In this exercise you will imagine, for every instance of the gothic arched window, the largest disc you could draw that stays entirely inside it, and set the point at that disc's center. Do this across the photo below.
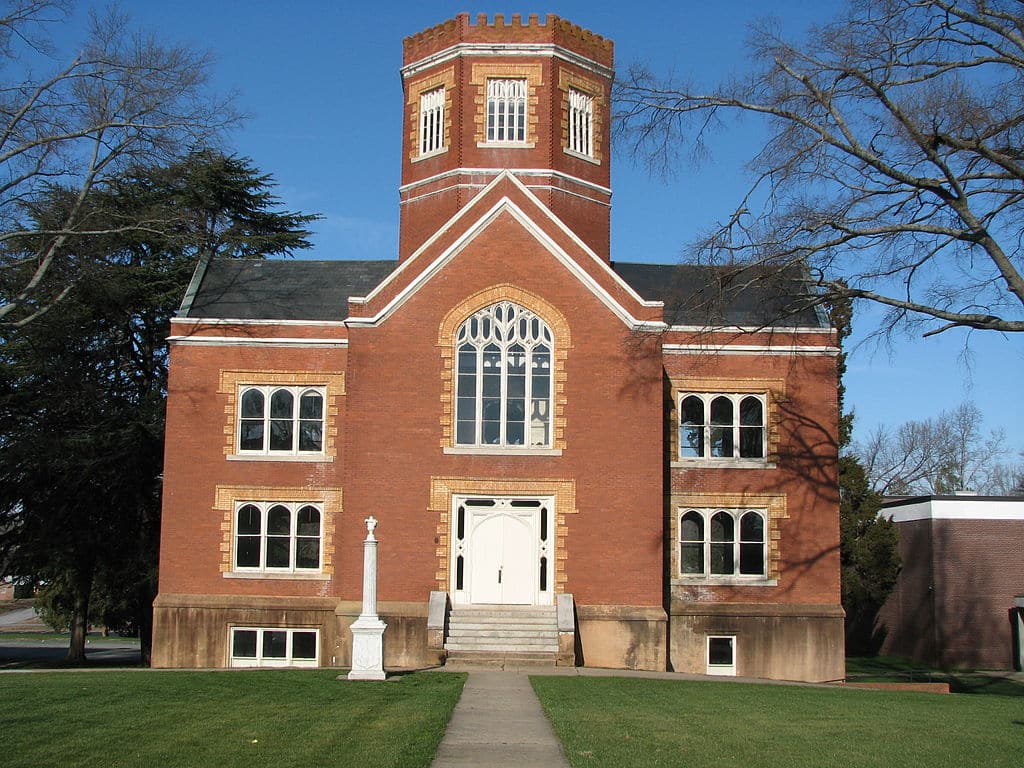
(504, 382)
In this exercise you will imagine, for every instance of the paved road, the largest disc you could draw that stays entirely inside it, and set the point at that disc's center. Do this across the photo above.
(15, 654)
(18, 616)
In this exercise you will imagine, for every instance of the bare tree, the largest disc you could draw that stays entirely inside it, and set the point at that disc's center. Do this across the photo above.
(74, 124)
(894, 171)
(948, 453)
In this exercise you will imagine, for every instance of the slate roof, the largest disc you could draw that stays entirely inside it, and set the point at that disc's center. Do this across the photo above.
(281, 289)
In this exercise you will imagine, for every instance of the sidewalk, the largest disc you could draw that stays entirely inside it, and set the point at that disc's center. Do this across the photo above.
(498, 723)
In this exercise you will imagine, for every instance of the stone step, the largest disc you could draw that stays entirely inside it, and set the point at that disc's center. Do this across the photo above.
(498, 624)
(499, 659)
(506, 646)
(503, 617)
(492, 631)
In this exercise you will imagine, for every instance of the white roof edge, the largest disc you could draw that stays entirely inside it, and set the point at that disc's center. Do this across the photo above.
(962, 508)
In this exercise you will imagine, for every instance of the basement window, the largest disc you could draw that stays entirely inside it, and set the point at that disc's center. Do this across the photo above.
(721, 655)
(274, 647)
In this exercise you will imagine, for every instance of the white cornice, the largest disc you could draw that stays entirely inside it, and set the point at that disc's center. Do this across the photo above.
(454, 187)
(505, 49)
(252, 341)
(748, 349)
(218, 321)
(498, 171)
(779, 329)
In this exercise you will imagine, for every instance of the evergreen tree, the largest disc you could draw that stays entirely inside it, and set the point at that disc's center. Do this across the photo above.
(869, 559)
(83, 387)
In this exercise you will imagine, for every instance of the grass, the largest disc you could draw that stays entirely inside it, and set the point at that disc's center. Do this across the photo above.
(893, 669)
(639, 723)
(93, 638)
(242, 719)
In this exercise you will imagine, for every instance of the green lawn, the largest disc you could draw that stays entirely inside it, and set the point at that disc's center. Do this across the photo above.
(634, 722)
(305, 719)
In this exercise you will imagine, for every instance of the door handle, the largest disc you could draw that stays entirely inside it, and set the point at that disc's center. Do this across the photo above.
(499, 575)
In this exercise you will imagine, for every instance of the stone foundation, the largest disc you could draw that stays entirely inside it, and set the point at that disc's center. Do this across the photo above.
(621, 636)
(191, 631)
(779, 642)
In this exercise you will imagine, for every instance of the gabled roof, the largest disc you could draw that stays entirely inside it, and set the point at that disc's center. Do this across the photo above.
(709, 296)
(284, 289)
(280, 289)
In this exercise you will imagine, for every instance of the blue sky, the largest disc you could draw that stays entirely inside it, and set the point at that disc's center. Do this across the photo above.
(321, 85)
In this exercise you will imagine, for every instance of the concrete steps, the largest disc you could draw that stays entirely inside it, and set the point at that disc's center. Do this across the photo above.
(501, 635)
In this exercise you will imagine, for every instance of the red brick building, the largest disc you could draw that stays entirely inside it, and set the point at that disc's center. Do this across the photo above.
(527, 419)
(958, 599)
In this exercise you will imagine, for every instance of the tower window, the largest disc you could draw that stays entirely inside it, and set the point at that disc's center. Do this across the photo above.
(506, 111)
(581, 123)
(432, 121)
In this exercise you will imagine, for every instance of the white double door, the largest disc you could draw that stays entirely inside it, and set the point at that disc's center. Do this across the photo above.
(502, 549)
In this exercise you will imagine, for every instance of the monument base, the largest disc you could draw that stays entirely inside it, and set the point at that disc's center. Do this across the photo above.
(367, 649)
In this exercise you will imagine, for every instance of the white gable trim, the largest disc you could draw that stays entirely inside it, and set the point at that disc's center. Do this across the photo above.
(502, 206)
(467, 171)
(215, 321)
(562, 255)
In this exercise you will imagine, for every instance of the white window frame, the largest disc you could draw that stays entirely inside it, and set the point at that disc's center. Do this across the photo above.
(264, 508)
(706, 576)
(506, 121)
(260, 660)
(268, 391)
(479, 341)
(735, 460)
(581, 123)
(725, 670)
(432, 122)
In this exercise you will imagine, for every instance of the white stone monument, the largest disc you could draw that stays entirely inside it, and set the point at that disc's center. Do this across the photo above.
(368, 629)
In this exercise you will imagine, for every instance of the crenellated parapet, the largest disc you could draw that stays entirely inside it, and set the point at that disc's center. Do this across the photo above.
(498, 30)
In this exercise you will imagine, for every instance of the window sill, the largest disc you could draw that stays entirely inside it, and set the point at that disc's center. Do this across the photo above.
(306, 457)
(722, 464)
(428, 155)
(581, 156)
(505, 145)
(484, 450)
(318, 576)
(724, 581)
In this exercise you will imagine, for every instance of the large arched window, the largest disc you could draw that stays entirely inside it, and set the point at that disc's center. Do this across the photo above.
(503, 387)
(710, 547)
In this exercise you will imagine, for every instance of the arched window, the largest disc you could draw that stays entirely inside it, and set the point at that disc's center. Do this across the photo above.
(722, 426)
(722, 543)
(503, 387)
(275, 537)
(281, 420)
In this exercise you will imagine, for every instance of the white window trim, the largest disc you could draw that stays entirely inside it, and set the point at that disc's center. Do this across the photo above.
(725, 462)
(735, 578)
(725, 670)
(292, 454)
(260, 660)
(263, 570)
(431, 129)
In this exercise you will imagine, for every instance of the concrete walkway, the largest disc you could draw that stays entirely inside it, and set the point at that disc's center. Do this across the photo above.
(498, 723)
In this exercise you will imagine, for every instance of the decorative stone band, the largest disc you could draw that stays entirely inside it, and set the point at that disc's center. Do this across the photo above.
(774, 504)
(227, 496)
(774, 391)
(442, 489)
(446, 341)
(231, 380)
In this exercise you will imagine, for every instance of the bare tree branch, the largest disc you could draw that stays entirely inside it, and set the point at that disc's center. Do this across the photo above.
(124, 100)
(894, 167)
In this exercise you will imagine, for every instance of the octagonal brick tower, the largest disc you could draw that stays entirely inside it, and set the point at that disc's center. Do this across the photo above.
(487, 96)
